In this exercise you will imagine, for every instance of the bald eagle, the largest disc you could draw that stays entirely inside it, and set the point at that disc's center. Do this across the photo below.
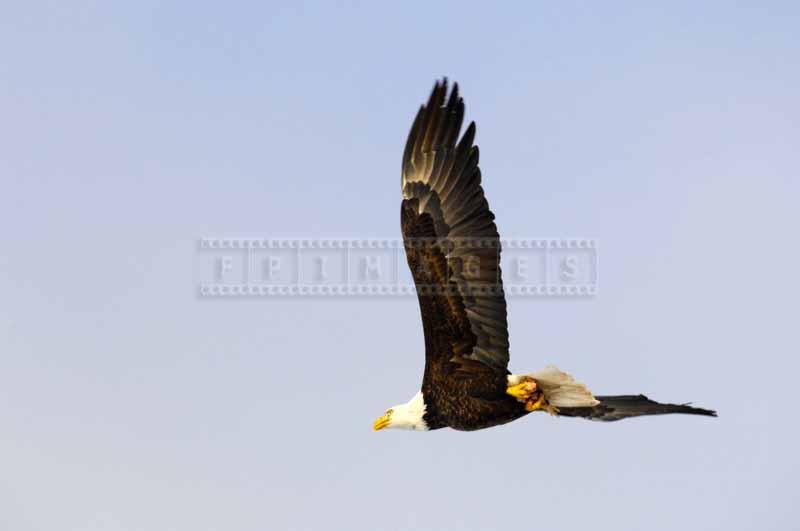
(453, 250)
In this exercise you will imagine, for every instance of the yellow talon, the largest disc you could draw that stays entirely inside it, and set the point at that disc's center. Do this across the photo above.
(533, 405)
(541, 403)
(522, 391)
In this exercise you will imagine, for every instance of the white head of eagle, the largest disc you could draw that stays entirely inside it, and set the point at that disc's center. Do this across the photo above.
(408, 416)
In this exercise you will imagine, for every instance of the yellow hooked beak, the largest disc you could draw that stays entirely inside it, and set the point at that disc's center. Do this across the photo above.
(382, 421)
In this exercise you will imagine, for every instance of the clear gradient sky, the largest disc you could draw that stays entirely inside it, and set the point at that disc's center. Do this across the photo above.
(130, 130)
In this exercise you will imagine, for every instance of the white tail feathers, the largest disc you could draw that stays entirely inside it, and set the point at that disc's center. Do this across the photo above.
(559, 388)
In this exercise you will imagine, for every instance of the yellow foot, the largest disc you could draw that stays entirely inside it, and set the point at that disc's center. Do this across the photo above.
(522, 391)
(535, 403)
(539, 402)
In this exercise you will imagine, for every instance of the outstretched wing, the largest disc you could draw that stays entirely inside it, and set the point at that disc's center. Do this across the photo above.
(451, 241)
(611, 408)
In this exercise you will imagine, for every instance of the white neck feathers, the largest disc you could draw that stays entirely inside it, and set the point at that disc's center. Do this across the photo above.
(411, 415)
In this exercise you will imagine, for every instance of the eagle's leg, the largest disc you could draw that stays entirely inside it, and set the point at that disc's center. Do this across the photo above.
(522, 388)
(540, 402)
(525, 389)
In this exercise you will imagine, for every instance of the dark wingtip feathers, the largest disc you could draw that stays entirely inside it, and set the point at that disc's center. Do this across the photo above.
(698, 410)
(439, 96)
(621, 407)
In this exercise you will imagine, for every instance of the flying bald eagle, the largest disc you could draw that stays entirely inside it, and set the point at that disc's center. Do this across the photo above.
(453, 250)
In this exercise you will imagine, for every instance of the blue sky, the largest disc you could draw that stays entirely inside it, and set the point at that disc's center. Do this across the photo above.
(666, 133)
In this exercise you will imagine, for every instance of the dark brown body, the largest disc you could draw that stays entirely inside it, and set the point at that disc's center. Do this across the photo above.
(459, 391)
(467, 404)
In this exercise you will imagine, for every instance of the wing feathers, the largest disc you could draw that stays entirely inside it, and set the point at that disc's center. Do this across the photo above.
(442, 182)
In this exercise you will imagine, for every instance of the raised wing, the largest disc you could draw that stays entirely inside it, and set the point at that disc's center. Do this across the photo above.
(451, 241)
